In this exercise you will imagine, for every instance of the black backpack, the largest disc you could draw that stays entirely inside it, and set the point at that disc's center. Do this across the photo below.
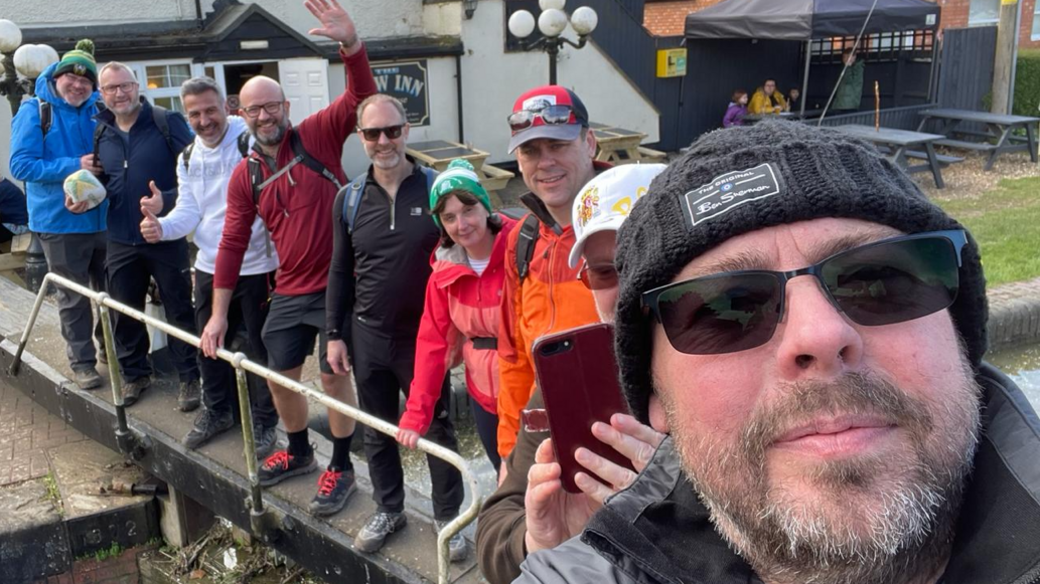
(160, 116)
(243, 149)
(352, 200)
(256, 174)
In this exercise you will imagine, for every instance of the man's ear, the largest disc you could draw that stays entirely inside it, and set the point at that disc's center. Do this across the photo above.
(658, 421)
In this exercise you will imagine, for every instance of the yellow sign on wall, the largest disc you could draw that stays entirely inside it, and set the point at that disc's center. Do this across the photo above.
(671, 62)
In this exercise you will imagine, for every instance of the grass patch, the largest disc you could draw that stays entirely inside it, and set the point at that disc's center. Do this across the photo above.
(1006, 223)
(53, 494)
(103, 554)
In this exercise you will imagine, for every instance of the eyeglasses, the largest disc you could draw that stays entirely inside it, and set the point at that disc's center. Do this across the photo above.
(77, 80)
(885, 282)
(549, 114)
(124, 87)
(598, 277)
(391, 132)
(271, 107)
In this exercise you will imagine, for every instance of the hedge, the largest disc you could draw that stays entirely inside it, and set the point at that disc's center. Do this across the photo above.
(1027, 83)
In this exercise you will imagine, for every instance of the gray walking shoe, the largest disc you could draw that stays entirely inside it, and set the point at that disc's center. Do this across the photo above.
(373, 535)
(87, 378)
(458, 547)
(265, 439)
(190, 395)
(207, 425)
(133, 389)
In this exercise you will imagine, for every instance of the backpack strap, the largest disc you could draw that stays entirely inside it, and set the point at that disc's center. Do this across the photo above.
(256, 179)
(160, 116)
(309, 161)
(243, 144)
(430, 175)
(186, 155)
(46, 116)
(99, 130)
(525, 244)
(352, 200)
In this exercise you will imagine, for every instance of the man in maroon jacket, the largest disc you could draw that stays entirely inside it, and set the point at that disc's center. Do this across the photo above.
(295, 202)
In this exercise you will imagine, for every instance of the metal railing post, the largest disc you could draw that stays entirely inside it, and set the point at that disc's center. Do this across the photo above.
(16, 363)
(260, 518)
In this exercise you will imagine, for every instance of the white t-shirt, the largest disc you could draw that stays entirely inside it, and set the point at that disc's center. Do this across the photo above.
(479, 265)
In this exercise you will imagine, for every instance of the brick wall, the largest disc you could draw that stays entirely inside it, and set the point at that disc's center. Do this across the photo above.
(668, 18)
(121, 569)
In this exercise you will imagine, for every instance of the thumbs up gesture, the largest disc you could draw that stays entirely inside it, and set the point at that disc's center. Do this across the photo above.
(151, 230)
(153, 203)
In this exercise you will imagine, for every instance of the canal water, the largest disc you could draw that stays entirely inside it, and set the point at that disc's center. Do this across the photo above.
(1022, 364)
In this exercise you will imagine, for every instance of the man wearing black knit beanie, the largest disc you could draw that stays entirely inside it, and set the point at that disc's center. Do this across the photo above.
(809, 330)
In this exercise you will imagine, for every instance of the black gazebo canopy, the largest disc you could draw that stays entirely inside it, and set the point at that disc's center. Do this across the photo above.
(803, 20)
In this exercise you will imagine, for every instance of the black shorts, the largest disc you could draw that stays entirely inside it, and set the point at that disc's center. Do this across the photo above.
(292, 324)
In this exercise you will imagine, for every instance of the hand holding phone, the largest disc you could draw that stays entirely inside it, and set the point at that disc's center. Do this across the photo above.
(577, 373)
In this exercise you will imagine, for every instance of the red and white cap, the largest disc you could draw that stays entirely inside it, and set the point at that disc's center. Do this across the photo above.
(605, 201)
(537, 99)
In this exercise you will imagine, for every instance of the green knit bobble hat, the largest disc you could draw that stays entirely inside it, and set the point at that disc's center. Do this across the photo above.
(79, 61)
(459, 176)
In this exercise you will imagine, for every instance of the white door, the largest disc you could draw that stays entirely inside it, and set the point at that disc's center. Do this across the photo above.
(306, 85)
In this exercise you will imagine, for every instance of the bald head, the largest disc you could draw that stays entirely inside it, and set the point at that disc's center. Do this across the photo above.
(261, 89)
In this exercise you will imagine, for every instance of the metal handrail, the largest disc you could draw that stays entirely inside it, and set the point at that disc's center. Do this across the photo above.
(241, 365)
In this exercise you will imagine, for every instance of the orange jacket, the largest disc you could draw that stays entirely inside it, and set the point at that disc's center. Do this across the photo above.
(550, 299)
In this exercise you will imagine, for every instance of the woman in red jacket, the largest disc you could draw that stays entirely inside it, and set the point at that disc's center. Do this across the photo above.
(463, 299)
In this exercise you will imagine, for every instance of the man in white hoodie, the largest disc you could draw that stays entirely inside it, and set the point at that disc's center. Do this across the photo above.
(203, 172)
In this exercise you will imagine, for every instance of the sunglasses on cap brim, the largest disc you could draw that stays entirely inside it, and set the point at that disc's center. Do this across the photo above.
(885, 282)
(553, 115)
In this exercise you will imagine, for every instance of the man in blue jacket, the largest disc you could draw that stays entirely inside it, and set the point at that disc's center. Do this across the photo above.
(51, 139)
(138, 149)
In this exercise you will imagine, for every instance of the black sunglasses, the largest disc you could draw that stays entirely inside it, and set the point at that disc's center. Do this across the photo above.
(391, 132)
(885, 282)
(551, 114)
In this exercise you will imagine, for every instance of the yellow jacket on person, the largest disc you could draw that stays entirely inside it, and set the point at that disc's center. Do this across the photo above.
(761, 104)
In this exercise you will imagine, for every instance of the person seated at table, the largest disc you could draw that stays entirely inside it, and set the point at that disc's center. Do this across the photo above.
(767, 100)
(737, 110)
(794, 97)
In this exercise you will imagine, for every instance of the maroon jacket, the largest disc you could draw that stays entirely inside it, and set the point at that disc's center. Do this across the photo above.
(297, 212)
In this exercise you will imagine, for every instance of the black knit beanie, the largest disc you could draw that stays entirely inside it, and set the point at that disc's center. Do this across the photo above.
(743, 179)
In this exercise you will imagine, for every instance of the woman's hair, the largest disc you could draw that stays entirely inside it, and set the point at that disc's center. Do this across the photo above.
(737, 95)
(494, 222)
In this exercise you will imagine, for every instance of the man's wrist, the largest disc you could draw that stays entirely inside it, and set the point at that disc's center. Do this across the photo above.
(350, 45)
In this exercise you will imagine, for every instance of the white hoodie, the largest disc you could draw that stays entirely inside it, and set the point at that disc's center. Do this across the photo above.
(202, 203)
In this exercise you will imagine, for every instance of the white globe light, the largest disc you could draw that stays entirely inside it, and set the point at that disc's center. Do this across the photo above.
(521, 24)
(552, 4)
(31, 60)
(584, 20)
(10, 36)
(552, 22)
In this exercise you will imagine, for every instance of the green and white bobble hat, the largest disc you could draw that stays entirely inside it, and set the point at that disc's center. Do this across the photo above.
(459, 176)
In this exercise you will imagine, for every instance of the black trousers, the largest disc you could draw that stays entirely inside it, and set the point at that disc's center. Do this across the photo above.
(248, 310)
(130, 268)
(79, 257)
(383, 368)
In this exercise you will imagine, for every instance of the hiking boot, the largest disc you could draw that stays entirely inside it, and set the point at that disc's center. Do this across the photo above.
(265, 440)
(87, 378)
(334, 488)
(282, 465)
(458, 547)
(207, 425)
(102, 355)
(189, 396)
(373, 535)
(133, 389)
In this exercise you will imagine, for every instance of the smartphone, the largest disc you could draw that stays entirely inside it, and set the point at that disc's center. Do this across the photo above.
(578, 375)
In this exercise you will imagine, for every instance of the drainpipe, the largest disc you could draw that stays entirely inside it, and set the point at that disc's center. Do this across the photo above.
(198, 14)
(458, 94)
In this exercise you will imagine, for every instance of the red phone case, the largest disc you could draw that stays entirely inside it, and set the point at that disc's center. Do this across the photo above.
(578, 375)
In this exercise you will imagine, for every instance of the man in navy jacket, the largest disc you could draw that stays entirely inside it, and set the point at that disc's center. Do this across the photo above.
(139, 158)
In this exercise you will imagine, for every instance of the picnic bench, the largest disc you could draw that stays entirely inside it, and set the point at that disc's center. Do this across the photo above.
(999, 127)
(620, 146)
(437, 154)
(901, 145)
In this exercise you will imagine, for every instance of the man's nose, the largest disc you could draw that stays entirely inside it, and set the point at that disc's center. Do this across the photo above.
(816, 340)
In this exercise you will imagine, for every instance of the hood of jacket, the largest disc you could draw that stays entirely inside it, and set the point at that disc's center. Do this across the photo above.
(658, 526)
(451, 263)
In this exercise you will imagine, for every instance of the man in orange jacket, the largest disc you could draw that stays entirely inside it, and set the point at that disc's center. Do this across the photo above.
(555, 149)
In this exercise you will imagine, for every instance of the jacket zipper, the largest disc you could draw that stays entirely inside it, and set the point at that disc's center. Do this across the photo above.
(551, 255)
(393, 214)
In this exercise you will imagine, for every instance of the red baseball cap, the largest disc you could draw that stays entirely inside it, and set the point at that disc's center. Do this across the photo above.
(538, 99)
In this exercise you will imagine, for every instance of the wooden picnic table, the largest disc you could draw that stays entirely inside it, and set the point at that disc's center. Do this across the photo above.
(998, 126)
(437, 154)
(899, 146)
(620, 146)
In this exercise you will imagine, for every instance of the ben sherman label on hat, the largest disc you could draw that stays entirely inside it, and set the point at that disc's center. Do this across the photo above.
(731, 190)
